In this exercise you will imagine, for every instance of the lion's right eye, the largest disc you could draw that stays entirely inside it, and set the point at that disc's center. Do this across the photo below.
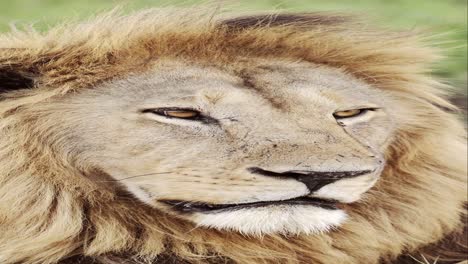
(348, 113)
(182, 113)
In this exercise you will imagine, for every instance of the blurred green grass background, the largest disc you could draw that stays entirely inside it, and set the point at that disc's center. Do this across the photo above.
(447, 19)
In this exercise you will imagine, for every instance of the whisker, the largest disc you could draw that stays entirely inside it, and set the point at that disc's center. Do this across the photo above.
(193, 229)
(140, 175)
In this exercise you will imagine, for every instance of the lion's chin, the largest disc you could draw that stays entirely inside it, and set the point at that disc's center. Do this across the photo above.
(275, 219)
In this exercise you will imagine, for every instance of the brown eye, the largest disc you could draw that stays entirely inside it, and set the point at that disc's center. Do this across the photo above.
(349, 113)
(181, 113)
(172, 112)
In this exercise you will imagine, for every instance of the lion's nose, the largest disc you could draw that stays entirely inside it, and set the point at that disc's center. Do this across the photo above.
(314, 180)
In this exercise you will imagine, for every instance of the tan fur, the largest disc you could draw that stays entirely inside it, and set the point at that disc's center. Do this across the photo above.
(50, 208)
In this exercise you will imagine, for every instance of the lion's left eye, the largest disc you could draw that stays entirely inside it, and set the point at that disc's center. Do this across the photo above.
(351, 113)
(182, 113)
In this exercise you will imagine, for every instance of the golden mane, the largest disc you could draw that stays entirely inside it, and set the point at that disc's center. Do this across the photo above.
(50, 210)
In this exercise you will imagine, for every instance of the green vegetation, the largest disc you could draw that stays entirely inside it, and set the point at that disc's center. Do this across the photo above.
(446, 19)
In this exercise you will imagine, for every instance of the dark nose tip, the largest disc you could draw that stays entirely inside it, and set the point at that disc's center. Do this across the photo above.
(314, 180)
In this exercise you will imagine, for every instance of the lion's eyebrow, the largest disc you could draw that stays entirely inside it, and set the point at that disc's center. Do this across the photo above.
(213, 98)
(209, 97)
(184, 97)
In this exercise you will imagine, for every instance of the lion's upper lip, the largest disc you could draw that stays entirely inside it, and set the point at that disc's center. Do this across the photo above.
(192, 207)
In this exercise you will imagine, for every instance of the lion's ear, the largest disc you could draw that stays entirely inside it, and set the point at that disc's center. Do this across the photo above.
(11, 79)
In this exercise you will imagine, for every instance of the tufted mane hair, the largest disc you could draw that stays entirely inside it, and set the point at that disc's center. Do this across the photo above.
(52, 210)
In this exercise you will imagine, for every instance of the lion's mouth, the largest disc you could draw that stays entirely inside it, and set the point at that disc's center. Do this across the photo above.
(192, 207)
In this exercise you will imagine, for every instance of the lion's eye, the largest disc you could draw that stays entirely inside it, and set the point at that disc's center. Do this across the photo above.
(181, 113)
(349, 113)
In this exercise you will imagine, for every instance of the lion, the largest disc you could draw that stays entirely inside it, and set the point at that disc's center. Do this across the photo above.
(184, 136)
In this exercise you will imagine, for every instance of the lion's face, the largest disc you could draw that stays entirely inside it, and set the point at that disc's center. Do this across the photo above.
(260, 149)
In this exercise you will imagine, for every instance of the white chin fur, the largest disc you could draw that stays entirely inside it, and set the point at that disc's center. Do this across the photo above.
(280, 219)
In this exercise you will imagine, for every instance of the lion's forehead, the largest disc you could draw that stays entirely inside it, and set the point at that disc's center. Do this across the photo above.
(283, 83)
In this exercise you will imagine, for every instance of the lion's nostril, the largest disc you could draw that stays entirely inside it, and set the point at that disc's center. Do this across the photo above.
(314, 180)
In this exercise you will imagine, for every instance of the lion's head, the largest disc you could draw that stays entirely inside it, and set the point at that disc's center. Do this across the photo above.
(259, 147)
(265, 139)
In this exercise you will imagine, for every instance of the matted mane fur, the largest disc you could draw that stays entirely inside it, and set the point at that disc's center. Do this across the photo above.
(50, 210)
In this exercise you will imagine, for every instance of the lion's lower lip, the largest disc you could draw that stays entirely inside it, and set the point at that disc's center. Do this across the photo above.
(192, 207)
